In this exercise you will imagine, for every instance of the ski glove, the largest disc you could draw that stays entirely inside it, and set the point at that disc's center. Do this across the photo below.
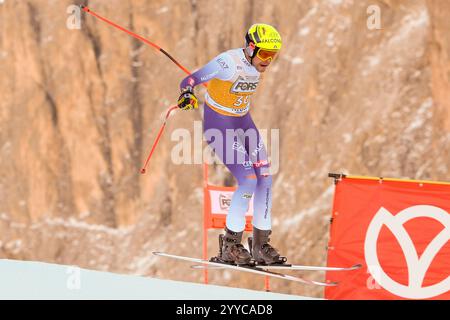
(187, 100)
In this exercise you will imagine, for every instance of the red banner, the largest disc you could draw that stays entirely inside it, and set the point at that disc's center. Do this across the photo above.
(217, 202)
(399, 231)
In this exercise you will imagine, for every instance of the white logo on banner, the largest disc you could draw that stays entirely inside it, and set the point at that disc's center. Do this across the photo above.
(417, 267)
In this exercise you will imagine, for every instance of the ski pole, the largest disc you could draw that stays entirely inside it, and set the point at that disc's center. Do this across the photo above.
(115, 25)
(157, 137)
(92, 13)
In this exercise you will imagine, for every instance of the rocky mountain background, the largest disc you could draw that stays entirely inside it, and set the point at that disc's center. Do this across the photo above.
(79, 109)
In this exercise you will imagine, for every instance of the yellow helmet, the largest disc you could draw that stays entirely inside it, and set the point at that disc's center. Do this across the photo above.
(264, 36)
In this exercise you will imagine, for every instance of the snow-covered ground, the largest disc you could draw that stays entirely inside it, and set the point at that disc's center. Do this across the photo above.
(38, 280)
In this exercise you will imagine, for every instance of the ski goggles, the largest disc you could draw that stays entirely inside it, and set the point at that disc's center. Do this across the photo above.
(265, 55)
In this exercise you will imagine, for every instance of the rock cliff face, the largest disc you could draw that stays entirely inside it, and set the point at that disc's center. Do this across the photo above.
(79, 110)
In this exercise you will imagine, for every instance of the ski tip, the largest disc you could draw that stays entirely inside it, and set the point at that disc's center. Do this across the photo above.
(357, 266)
(332, 284)
(157, 253)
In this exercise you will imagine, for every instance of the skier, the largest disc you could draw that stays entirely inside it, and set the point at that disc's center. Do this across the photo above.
(233, 77)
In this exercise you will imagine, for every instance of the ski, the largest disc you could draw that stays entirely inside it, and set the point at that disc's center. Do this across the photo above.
(309, 268)
(248, 269)
(290, 267)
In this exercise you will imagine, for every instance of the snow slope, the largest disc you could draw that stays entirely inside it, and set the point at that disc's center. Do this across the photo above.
(38, 280)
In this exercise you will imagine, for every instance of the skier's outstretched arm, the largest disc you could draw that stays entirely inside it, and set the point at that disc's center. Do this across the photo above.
(220, 67)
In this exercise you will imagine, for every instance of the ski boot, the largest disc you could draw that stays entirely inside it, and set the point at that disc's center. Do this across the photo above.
(231, 250)
(262, 252)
